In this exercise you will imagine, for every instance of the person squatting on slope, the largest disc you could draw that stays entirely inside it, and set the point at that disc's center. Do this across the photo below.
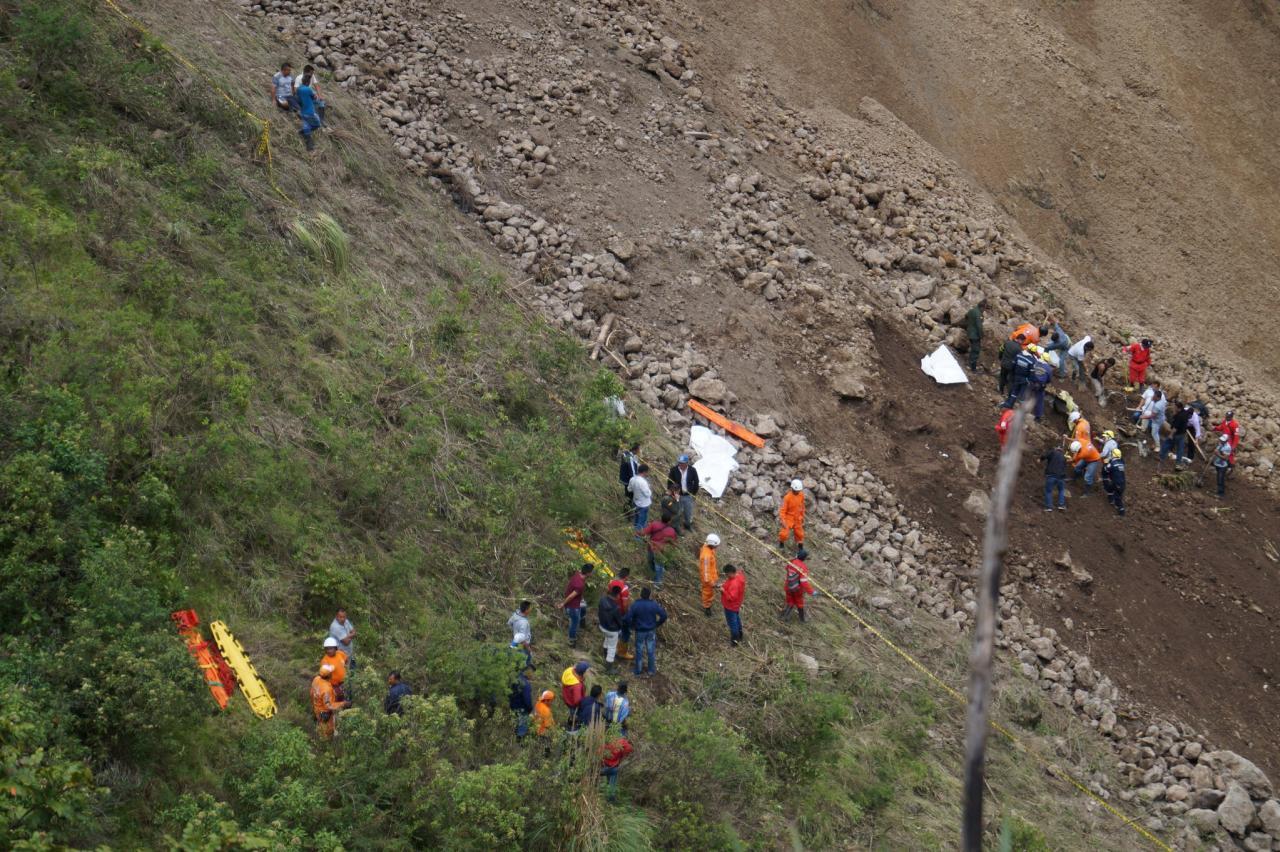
(1085, 459)
(731, 594)
(1023, 364)
(1041, 375)
(791, 515)
(1096, 378)
(683, 479)
(612, 755)
(708, 573)
(796, 585)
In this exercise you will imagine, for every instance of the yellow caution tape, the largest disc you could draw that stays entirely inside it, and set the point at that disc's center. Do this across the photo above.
(251, 685)
(264, 141)
(578, 542)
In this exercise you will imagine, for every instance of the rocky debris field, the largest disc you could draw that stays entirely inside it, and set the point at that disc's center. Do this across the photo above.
(789, 267)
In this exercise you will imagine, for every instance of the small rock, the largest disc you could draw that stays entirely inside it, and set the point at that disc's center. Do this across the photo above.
(848, 386)
(978, 502)
(1269, 814)
(971, 462)
(765, 426)
(709, 390)
(1203, 820)
(873, 257)
(633, 345)
(809, 664)
(1258, 842)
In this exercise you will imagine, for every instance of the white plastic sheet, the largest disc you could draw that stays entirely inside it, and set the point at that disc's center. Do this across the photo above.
(942, 367)
(715, 459)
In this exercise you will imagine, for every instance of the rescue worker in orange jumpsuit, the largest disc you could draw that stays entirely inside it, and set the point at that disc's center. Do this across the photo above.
(1080, 429)
(792, 515)
(1139, 360)
(1002, 428)
(1085, 459)
(542, 710)
(710, 575)
(325, 703)
(338, 659)
(796, 585)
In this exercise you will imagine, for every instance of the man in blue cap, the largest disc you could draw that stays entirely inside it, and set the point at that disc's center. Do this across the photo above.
(683, 480)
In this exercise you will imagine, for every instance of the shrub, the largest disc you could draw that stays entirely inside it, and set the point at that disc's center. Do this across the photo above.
(695, 750)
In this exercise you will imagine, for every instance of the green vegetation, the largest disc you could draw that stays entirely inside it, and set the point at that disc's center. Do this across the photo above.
(211, 398)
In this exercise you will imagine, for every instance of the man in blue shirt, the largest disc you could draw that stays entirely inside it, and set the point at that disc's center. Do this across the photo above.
(282, 89)
(644, 617)
(397, 690)
(306, 96)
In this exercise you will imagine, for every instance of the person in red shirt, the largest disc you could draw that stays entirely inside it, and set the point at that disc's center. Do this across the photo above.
(660, 534)
(572, 688)
(796, 585)
(574, 603)
(1139, 360)
(1231, 428)
(624, 600)
(731, 593)
(611, 757)
(1002, 428)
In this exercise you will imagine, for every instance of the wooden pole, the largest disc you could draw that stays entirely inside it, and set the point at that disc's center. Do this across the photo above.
(995, 544)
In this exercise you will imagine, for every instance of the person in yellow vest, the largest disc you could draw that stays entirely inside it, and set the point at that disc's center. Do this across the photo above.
(792, 515)
(325, 703)
(709, 573)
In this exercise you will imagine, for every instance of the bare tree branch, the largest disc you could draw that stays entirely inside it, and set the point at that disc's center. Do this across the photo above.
(995, 543)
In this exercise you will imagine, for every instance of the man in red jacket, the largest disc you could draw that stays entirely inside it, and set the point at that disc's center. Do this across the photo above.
(731, 593)
(797, 584)
(1139, 353)
(1002, 428)
(611, 758)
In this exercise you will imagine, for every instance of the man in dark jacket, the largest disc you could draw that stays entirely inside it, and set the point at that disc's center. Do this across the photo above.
(1022, 367)
(644, 617)
(609, 613)
(396, 690)
(628, 466)
(1055, 478)
(683, 479)
(1114, 481)
(1009, 352)
(1177, 438)
(973, 328)
(521, 702)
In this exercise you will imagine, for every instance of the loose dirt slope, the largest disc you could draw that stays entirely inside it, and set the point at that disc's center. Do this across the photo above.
(1134, 141)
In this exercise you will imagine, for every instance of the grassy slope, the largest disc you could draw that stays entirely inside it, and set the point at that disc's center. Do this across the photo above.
(200, 408)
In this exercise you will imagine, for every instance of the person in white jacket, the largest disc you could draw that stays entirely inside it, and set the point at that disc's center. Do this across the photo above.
(521, 632)
(1075, 358)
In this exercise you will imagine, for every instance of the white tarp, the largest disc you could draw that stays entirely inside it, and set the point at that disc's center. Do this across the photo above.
(715, 459)
(942, 366)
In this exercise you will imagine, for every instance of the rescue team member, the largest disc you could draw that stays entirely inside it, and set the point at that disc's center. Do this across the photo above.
(709, 574)
(1113, 481)
(1231, 428)
(1055, 478)
(1008, 353)
(325, 702)
(1222, 461)
(1139, 361)
(1085, 459)
(1002, 427)
(338, 660)
(542, 710)
(792, 515)
(731, 594)
(796, 585)
(624, 601)
(1080, 429)
(1027, 333)
(611, 759)
(973, 330)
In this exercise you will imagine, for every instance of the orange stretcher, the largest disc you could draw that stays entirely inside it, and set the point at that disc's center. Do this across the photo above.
(217, 674)
(735, 429)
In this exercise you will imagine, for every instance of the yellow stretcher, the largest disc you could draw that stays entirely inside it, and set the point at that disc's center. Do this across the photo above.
(251, 685)
(578, 542)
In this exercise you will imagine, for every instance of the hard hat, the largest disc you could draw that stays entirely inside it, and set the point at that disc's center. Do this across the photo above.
(330, 642)
(1108, 434)
(1073, 417)
(326, 669)
(1075, 446)
(1115, 454)
(547, 695)
(797, 485)
(684, 459)
(713, 540)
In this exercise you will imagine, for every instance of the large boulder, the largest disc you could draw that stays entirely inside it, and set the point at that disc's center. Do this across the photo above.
(708, 389)
(1233, 767)
(1236, 811)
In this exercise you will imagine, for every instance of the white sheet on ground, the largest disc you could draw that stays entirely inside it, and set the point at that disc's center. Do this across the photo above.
(942, 366)
(715, 459)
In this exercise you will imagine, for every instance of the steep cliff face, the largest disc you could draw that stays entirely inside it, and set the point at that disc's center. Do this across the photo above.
(1134, 141)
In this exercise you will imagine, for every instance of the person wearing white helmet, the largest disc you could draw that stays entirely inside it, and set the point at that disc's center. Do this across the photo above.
(1085, 459)
(708, 572)
(1080, 429)
(1222, 461)
(792, 515)
(334, 656)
